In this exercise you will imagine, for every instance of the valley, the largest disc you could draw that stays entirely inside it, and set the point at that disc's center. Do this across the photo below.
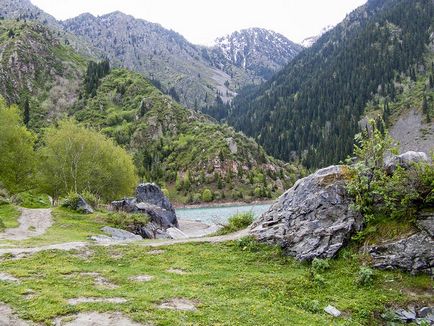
(147, 180)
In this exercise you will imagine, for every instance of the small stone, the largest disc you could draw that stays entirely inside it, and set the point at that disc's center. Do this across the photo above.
(76, 301)
(406, 315)
(424, 312)
(332, 311)
(141, 278)
(8, 278)
(156, 252)
(178, 304)
(177, 271)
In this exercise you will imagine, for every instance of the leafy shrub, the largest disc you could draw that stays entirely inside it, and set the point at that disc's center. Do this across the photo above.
(320, 265)
(207, 195)
(237, 222)
(126, 221)
(365, 276)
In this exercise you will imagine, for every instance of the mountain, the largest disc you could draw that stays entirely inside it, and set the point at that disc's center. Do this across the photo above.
(196, 76)
(24, 9)
(192, 74)
(160, 54)
(172, 145)
(309, 41)
(36, 66)
(312, 108)
(258, 50)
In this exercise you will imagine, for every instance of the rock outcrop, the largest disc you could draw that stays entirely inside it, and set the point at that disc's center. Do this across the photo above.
(405, 160)
(414, 253)
(116, 235)
(150, 200)
(83, 206)
(313, 218)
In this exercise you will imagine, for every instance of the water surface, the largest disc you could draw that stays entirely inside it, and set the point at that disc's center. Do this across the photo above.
(221, 214)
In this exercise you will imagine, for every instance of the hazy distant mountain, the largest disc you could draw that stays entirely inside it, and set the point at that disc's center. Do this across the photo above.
(258, 50)
(309, 41)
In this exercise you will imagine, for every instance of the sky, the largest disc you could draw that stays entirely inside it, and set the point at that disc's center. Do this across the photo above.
(202, 21)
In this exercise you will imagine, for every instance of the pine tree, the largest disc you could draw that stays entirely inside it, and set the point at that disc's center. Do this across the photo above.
(26, 112)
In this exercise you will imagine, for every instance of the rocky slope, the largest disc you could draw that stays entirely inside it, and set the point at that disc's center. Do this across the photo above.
(36, 66)
(258, 50)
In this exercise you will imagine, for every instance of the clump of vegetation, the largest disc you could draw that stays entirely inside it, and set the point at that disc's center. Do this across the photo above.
(237, 222)
(207, 195)
(320, 265)
(127, 221)
(365, 276)
(383, 197)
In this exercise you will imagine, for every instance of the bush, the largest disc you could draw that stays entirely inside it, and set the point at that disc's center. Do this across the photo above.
(320, 265)
(237, 222)
(207, 195)
(365, 276)
(126, 221)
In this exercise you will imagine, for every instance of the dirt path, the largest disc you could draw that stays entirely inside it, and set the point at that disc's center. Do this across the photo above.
(33, 222)
(145, 243)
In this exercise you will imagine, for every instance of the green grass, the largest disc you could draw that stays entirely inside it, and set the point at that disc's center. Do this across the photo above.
(8, 217)
(231, 285)
(68, 226)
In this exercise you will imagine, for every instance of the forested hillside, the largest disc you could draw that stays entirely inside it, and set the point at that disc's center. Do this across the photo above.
(178, 147)
(312, 108)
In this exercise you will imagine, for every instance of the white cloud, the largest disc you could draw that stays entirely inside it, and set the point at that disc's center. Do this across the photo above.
(201, 21)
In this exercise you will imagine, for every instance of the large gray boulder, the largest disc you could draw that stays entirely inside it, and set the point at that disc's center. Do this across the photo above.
(414, 253)
(151, 201)
(405, 160)
(313, 218)
(83, 206)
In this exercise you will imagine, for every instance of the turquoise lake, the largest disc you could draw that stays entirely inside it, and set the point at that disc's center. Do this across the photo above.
(211, 215)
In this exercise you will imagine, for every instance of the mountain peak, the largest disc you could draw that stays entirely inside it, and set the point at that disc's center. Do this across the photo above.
(257, 49)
